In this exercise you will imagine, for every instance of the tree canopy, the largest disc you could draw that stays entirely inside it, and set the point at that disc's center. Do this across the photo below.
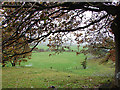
(36, 21)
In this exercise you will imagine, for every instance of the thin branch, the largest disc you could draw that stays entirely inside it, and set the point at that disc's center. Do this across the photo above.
(81, 27)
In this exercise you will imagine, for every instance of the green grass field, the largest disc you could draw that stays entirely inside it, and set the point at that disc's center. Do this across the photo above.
(62, 71)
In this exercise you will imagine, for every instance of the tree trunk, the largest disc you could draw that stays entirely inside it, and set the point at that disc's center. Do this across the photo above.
(117, 61)
(116, 30)
(3, 65)
(3, 62)
(13, 64)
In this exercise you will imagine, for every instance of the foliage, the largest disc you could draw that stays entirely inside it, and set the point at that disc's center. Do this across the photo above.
(19, 46)
(13, 46)
(36, 21)
(112, 55)
(106, 50)
(84, 63)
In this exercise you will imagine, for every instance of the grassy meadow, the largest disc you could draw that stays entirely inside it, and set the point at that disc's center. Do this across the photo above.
(62, 71)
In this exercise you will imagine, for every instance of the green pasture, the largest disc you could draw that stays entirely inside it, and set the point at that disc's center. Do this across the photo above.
(62, 71)
(43, 47)
(28, 77)
(66, 62)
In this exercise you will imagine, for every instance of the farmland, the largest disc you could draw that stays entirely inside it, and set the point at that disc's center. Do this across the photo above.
(62, 71)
